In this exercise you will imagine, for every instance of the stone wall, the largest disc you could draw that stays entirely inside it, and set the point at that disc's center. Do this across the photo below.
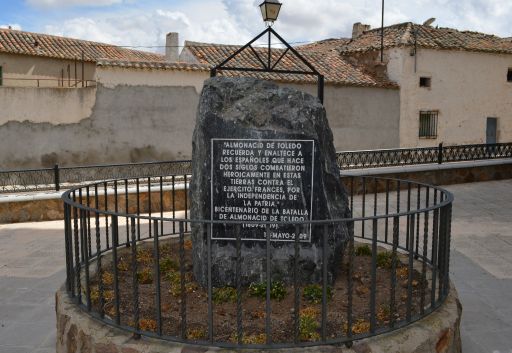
(430, 175)
(53, 209)
(77, 332)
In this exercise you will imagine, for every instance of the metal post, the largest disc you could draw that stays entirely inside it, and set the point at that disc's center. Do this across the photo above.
(56, 177)
(382, 35)
(83, 69)
(440, 154)
(321, 88)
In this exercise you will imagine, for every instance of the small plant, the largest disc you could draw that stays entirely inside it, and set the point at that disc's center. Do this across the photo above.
(145, 256)
(167, 264)
(383, 314)
(385, 259)
(174, 278)
(187, 245)
(147, 325)
(122, 265)
(308, 324)
(107, 278)
(360, 326)
(175, 289)
(145, 276)
(224, 295)
(108, 295)
(277, 290)
(313, 293)
(402, 272)
(258, 314)
(95, 294)
(363, 250)
(196, 334)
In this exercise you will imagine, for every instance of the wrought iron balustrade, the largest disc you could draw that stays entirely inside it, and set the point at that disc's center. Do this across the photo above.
(126, 265)
(422, 155)
(56, 178)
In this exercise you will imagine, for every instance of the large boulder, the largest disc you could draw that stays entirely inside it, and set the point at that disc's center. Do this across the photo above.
(262, 153)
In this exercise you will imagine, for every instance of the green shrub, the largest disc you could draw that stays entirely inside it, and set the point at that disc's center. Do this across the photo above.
(385, 259)
(363, 250)
(224, 295)
(277, 290)
(145, 276)
(167, 264)
(313, 293)
(308, 325)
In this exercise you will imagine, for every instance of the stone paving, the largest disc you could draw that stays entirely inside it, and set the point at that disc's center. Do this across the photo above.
(32, 258)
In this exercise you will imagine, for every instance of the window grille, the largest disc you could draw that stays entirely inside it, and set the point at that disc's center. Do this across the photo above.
(428, 124)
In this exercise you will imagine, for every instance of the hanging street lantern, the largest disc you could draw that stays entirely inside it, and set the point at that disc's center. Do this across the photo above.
(270, 10)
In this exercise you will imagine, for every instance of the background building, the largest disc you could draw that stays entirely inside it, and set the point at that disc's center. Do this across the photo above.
(119, 105)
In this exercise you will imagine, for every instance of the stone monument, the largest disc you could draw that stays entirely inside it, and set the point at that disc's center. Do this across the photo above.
(262, 153)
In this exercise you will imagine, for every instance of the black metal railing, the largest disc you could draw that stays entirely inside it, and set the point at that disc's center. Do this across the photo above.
(128, 260)
(58, 178)
(422, 155)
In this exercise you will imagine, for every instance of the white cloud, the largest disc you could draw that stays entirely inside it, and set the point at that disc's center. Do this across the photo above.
(306, 20)
(12, 26)
(237, 21)
(143, 30)
(57, 3)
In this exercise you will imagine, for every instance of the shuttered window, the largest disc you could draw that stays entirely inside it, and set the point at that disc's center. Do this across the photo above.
(428, 124)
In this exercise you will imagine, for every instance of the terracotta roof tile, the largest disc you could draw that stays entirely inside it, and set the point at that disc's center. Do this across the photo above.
(37, 44)
(154, 65)
(330, 64)
(325, 45)
(405, 34)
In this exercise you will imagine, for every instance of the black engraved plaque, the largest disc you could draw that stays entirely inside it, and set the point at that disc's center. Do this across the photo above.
(265, 180)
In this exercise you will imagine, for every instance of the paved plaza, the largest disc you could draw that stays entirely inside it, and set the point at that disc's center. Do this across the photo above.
(32, 268)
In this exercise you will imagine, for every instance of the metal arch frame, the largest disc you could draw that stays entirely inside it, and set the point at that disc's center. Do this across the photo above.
(266, 63)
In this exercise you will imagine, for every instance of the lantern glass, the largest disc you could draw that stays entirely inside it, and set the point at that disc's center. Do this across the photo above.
(270, 10)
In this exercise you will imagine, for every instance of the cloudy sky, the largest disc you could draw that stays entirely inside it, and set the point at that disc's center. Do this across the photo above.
(144, 23)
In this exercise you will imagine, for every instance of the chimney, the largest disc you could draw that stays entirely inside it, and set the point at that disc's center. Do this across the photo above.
(172, 52)
(359, 29)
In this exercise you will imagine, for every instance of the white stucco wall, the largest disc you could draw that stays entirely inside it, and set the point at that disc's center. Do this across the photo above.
(49, 70)
(466, 89)
(46, 105)
(112, 76)
(361, 118)
(143, 115)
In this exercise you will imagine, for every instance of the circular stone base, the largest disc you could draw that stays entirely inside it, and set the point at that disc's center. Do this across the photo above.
(78, 332)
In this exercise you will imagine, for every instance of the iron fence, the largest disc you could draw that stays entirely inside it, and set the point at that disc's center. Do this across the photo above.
(423, 155)
(57, 177)
(128, 260)
(46, 82)
(66, 177)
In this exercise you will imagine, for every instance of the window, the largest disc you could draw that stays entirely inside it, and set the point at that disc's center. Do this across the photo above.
(425, 81)
(509, 75)
(428, 124)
